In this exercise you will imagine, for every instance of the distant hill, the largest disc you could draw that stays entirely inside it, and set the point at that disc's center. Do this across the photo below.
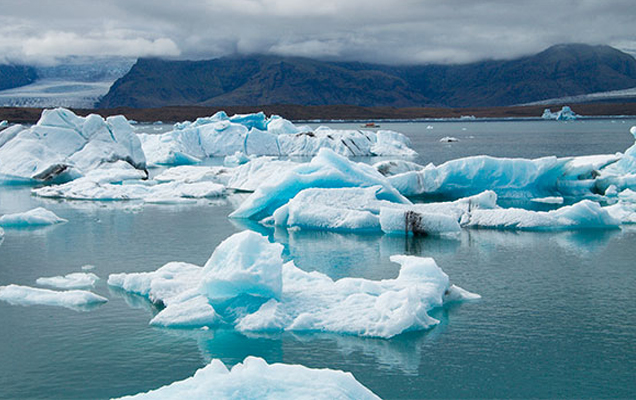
(562, 70)
(12, 76)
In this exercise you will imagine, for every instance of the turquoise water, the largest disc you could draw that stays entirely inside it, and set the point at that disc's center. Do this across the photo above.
(557, 317)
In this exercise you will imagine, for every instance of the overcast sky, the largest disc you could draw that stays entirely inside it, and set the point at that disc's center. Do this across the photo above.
(393, 32)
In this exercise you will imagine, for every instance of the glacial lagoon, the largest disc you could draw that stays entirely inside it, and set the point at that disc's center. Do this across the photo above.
(556, 317)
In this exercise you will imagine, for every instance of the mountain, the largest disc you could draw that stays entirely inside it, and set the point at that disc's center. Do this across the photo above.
(562, 70)
(12, 76)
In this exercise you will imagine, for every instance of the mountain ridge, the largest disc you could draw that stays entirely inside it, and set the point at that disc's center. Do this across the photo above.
(561, 70)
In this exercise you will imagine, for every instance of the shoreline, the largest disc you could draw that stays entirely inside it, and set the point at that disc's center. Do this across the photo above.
(337, 113)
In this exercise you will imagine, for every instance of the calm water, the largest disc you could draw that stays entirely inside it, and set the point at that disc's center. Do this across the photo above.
(557, 318)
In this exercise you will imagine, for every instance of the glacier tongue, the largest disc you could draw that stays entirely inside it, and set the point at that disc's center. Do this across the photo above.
(246, 285)
(255, 379)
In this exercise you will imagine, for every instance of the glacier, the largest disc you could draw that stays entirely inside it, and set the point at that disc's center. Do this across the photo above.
(255, 379)
(255, 134)
(246, 284)
(35, 217)
(75, 280)
(62, 146)
(79, 300)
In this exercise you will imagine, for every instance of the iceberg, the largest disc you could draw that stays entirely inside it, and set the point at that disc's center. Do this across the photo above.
(254, 134)
(449, 139)
(36, 217)
(78, 300)
(63, 146)
(120, 183)
(325, 170)
(358, 209)
(585, 214)
(247, 285)
(565, 114)
(255, 379)
(509, 177)
(76, 280)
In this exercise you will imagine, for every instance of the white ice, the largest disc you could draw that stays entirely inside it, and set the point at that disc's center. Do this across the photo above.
(326, 170)
(585, 214)
(76, 280)
(73, 299)
(35, 217)
(254, 134)
(246, 284)
(565, 114)
(124, 183)
(255, 379)
(64, 146)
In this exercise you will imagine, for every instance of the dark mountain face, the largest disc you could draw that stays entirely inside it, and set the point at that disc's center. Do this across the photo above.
(562, 70)
(12, 76)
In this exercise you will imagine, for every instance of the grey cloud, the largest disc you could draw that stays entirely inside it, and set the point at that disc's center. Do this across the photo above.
(393, 32)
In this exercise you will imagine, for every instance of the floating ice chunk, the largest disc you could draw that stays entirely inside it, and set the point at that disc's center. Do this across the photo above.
(326, 170)
(255, 379)
(313, 302)
(162, 285)
(64, 146)
(236, 159)
(36, 217)
(565, 114)
(88, 267)
(245, 284)
(76, 280)
(73, 299)
(358, 209)
(582, 215)
(549, 200)
(4, 124)
(244, 263)
(192, 313)
(255, 134)
(449, 139)
(97, 186)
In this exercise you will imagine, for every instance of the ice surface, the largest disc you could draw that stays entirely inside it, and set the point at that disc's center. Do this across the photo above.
(112, 184)
(326, 170)
(36, 217)
(244, 263)
(358, 209)
(64, 146)
(585, 214)
(509, 177)
(246, 285)
(255, 379)
(76, 280)
(73, 299)
(254, 134)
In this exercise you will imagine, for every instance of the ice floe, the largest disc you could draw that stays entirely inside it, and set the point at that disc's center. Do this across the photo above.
(585, 214)
(247, 285)
(256, 379)
(116, 184)
(64, 146)
(325, 170)
(76, 280)
(36, 217)
(255, 134)
(79, 300)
